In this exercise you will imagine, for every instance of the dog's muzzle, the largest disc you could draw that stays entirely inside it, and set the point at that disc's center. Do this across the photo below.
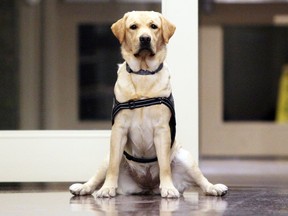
(145, 46)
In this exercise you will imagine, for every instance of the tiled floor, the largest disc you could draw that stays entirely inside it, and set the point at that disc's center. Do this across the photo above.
(256, 188)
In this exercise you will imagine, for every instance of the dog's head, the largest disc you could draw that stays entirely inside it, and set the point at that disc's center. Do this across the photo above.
(143, 33)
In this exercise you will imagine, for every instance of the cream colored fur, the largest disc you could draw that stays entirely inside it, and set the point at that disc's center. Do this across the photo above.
(145, 132)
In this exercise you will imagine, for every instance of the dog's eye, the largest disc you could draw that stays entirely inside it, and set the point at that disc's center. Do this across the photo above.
(153, 26)
(133, 27)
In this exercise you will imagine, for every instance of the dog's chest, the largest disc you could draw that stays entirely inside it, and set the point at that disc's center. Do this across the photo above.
(141, 132)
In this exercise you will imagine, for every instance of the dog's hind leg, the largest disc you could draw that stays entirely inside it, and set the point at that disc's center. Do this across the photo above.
(193, 174)
(92, 184)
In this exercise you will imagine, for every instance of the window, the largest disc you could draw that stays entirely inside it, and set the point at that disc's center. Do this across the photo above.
(99, 55)
(253, 61)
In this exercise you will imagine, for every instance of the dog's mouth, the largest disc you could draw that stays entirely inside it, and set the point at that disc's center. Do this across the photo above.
(144, 51)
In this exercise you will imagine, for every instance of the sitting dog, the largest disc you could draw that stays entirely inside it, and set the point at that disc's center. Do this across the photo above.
(144, 155)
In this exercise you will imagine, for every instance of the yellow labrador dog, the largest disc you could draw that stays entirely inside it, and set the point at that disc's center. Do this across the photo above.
(144, 120)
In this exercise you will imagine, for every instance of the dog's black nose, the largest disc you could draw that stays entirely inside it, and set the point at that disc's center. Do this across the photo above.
(145, 40)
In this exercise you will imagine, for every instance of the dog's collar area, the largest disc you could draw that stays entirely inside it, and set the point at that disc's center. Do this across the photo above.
(144, 72)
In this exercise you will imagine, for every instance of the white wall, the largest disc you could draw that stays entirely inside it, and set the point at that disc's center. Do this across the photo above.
(51, 156)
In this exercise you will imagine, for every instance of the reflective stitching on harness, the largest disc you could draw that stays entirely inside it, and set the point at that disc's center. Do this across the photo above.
(134, 104)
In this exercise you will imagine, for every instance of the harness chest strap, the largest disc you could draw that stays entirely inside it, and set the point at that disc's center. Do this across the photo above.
(134, 104)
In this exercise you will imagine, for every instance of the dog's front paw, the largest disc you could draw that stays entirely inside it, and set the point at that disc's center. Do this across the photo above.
(170, 192)
(217, 190)
(106, 192)
(80, 189)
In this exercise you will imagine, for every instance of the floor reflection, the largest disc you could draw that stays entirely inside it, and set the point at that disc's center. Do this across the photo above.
(255, 188)
(150, 205)
(246, 201)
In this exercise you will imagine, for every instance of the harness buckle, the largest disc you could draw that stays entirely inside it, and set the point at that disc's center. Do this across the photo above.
(132, 104)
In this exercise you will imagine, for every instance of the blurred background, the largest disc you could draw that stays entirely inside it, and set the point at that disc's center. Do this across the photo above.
(58, 60)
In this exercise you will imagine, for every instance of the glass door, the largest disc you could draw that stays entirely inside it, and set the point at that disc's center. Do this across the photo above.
(65, 88)
(241, 63)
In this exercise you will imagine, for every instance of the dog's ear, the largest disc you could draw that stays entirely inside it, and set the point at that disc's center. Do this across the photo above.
(168, 29)
(118, 29)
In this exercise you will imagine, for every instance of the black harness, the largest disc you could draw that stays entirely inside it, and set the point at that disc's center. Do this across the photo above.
(135, 104)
